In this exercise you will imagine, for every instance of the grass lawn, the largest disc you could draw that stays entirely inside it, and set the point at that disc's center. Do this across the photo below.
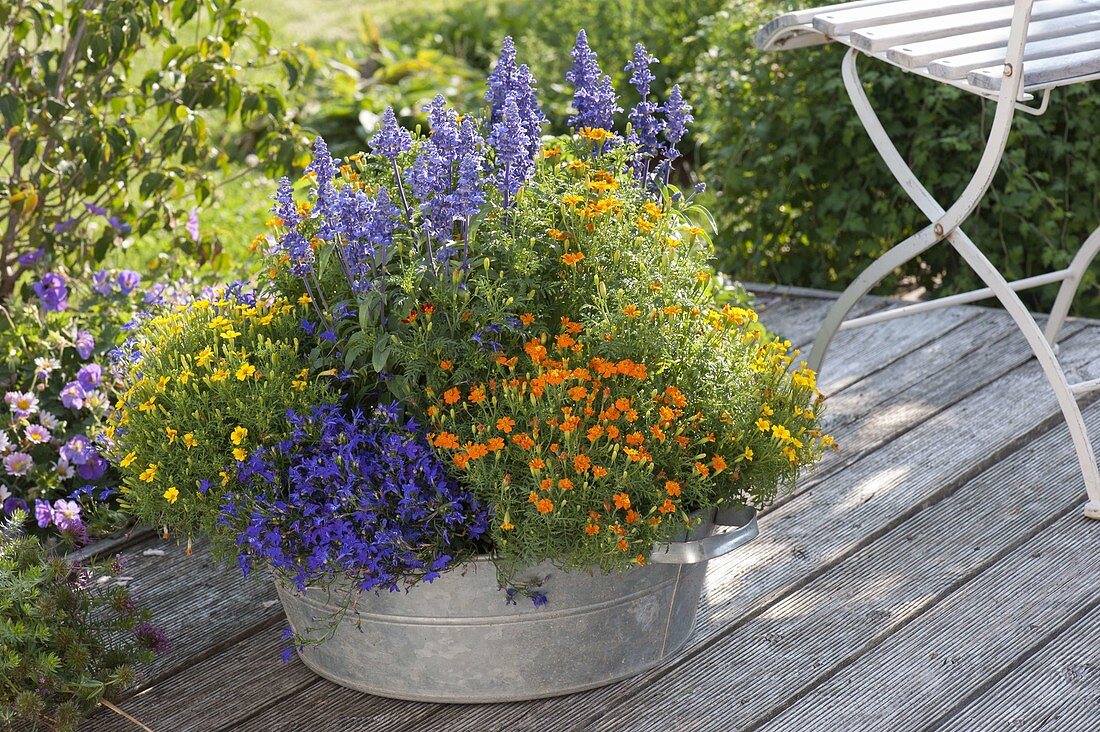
(320, 22)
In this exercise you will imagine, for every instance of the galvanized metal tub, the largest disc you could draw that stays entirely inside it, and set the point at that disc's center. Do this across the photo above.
(455, 640)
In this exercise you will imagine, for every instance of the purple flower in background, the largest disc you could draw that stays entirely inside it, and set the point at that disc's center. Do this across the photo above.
(43, 513)
(593, 95)
(118, 225)
(152, 638)
(103, 283)
(94, 209)
(677, 118)
(64, 225)
(85, 344)
(78, 450)
(72, 395)
(391, 139)
(513, 165)
(18, 463)
(93, 468)
(29, 258)
(128, 280)
(66, 515)
(90, 376)
(13, 504)
(192, 227)
(155, 294)
(52, 291)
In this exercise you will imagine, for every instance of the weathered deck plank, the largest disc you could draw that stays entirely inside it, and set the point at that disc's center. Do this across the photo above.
(1056, 689)
(1037, 592)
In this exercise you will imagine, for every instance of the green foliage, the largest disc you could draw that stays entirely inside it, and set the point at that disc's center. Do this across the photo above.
(802, 197)
(102, 101)
(214, 382)
(66, 640)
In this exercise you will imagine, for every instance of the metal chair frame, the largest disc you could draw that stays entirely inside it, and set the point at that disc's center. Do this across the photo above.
(944, 225)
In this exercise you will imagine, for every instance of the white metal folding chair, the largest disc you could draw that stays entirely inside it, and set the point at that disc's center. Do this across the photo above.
(1011, 52)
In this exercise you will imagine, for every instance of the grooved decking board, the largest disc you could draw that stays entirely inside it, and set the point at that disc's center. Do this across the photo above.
(1002, 617)
(1056, 689)
(820, 528)
(798, 319)
(751, 672)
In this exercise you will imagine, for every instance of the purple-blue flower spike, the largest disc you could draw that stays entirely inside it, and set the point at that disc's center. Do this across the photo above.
(513, 165)
(593, 95)
(285, 207)
(645, 126)
(502, 80)
(509, 81)
(324, 168)
(677, 118)
(530, 113)
(390, 141)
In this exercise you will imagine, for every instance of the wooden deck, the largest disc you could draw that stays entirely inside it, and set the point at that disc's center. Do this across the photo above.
(937, 573)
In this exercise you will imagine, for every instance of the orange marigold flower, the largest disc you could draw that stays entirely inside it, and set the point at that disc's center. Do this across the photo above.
(527, 318)
(582, 463)
(592, 529)
(702, 469)
(571, 326)
(594, 433)
(631, 415)
(623, 546)
(658, 433)
(477, 394)
(532, 497)
(598, 471)
(446, 365)
(680, 440)
(545, 484)
(622, 404)
(557, 234)
(667, 507)
(447, 441)
(495, 444)
(570, 424)
(476, 450)
(564, 340)
(523, 440)
(545, 505)
(537, 464)
(452, 395)
(621, 500)
(462, 460)
(505, 424)
(632, 516)
(565, 484)
(612, 432)
(631, 311)
(672, 487)
(635, 438)
(506, 362)
(718, 462)
(535, 350)
(572, 258)
(578, 393)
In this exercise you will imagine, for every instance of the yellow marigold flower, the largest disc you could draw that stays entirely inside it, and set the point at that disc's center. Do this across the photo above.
(768, 411)
(148, 405)
(550, 152)
(150, 473)
(631, 311)
(790, 454)
(204, 356)
(171, 434)
(572, 199)
(172, 494)
(298, 384)
(126, 461)
(189, 440)
(240, 454)
(644, 225)
(781, 433)
(163, 382)
(219, 375)
(695, 231)
(220, 322)
(763, 425)
(748, 454)
(238, 434)
(246, 370)
(595, 134)
(185, 376)
(229, 334)
(557, 234)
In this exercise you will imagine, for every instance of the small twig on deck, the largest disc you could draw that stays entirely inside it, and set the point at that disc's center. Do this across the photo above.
(123, 714)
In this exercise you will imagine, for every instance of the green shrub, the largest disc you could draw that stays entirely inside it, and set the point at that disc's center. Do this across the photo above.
(114, 114)
(802, 197)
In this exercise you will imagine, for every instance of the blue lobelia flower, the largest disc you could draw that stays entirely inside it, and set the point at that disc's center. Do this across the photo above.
(593, 95)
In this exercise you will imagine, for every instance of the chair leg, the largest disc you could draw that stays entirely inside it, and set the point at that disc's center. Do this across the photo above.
(1066, 292)
(1052, 369)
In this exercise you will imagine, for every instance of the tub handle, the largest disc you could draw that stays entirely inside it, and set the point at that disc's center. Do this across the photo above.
(737, 527)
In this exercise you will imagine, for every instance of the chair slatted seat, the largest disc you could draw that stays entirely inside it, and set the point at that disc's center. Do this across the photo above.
(1009, 51)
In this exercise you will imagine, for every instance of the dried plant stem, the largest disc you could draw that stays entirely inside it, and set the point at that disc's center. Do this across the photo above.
(123, 714)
